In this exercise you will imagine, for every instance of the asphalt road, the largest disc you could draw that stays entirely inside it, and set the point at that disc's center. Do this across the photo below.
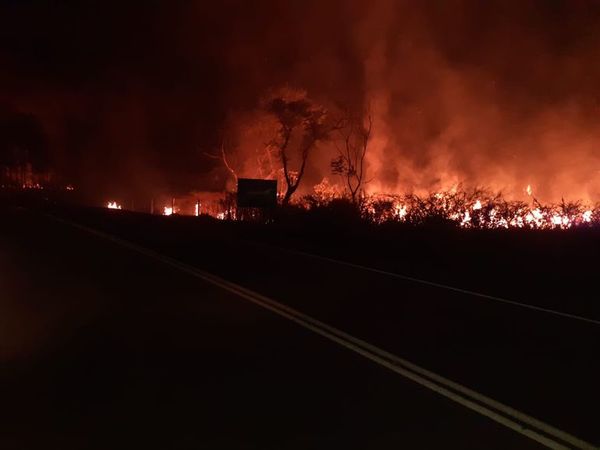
(101, 347)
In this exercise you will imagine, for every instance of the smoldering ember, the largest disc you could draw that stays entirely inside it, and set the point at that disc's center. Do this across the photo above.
(218, 218)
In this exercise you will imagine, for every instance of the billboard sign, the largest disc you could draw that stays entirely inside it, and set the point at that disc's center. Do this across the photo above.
(256, 193)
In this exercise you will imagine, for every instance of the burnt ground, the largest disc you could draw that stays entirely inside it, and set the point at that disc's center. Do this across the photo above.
(538, 362)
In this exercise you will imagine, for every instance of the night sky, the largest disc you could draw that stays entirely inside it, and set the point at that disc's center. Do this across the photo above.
(131, 95)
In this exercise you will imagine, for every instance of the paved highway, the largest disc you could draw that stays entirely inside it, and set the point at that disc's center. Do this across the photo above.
(102, 345)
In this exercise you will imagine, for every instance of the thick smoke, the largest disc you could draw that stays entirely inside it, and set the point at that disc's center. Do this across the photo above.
(499, 94)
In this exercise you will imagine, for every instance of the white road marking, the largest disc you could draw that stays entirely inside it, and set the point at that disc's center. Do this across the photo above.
(431, 283)
(522, 423)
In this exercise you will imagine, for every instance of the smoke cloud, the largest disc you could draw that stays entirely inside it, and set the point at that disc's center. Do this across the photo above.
(499, 94)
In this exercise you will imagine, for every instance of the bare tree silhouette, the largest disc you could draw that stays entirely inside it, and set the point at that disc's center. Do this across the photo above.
(301, 126)
(355, 132)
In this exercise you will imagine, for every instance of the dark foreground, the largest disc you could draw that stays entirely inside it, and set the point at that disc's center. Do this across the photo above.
(102, 347)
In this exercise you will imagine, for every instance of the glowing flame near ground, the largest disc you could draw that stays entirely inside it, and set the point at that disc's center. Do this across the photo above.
(466, 208)
(400, 211)
(492, 212)
(529, 190)
(113, 205)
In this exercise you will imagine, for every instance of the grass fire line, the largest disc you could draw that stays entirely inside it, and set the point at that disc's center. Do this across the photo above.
(476, 209)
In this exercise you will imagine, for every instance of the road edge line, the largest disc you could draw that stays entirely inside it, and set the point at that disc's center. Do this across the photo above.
(431, 283)
(410, 370)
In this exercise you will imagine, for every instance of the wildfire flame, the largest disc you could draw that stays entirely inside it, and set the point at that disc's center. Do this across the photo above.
(491, 212)
(113, 205)
(476, 208)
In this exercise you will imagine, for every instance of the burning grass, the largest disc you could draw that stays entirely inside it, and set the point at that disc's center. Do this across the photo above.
(113, 205)
(476, 208)
(464, 208)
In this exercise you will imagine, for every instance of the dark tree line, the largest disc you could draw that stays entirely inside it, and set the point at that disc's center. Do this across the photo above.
(308, 124)
(22, 146)
(301, 125)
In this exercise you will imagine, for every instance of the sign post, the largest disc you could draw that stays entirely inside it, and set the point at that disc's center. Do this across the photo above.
(255, 193)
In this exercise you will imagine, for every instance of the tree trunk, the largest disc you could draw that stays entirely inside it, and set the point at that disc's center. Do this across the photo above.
(288, 195)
